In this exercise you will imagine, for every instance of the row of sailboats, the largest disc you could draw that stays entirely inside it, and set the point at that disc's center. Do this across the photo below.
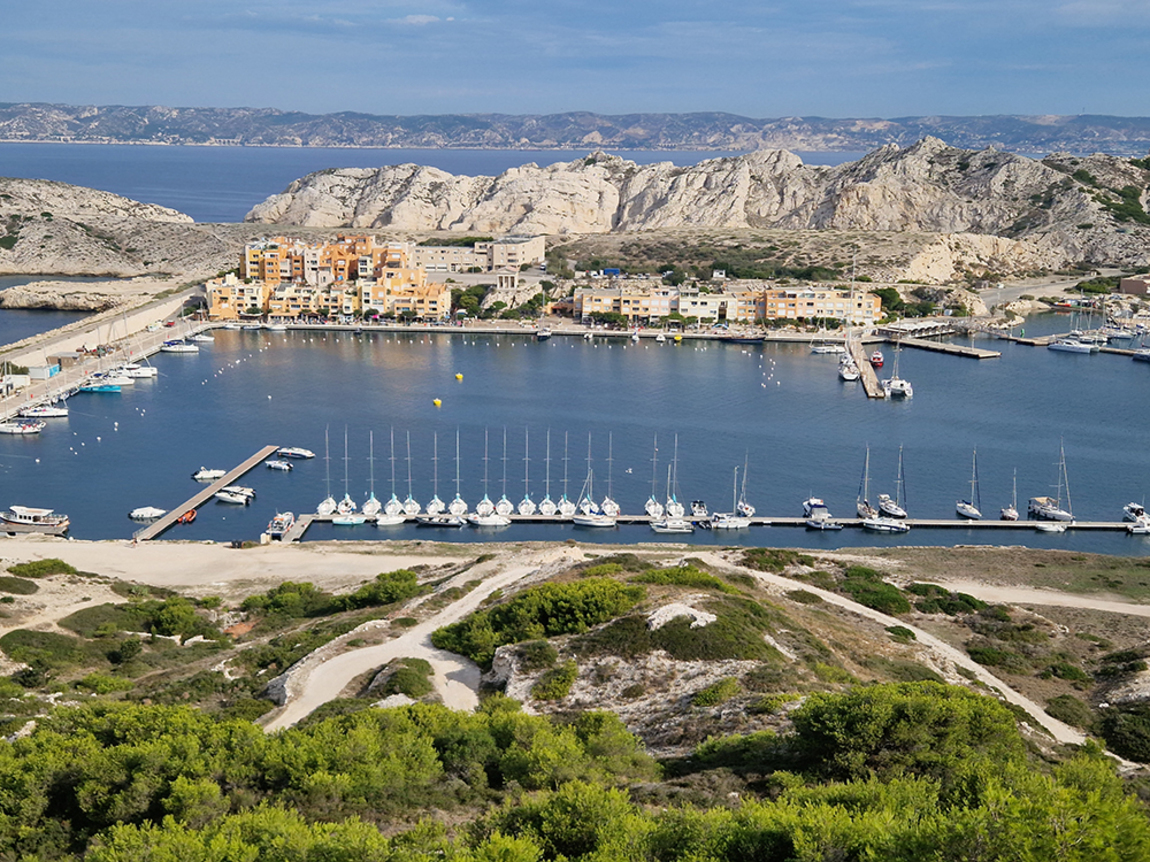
(668, 517)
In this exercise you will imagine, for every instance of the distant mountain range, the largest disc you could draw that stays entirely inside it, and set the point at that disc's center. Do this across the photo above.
(573, 130)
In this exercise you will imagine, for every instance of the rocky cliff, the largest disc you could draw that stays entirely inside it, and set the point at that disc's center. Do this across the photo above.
(1065, 208)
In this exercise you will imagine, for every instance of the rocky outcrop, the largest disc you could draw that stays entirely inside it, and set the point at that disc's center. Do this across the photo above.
(1066, 208)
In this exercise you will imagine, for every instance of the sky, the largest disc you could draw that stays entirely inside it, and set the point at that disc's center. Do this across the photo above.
(830, 58)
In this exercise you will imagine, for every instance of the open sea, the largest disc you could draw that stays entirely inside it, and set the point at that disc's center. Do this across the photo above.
(778, 407)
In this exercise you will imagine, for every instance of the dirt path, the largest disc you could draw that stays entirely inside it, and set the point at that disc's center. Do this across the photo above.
(456, 678)
(1063, 733)
(1033, 596)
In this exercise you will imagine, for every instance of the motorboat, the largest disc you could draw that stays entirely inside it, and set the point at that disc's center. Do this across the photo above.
(136, 371)
(1072, 344)
(1141, 527)
(492, 519)
(349, 519)
(22, 426)
(876, 359)
(699, 509)
(823, 524)
(814, 507)
(294, 452)
(147, 513)
(972, 508)
(1051, 526)
(242, 490)
(393, 519)
(890, 507)
(277, 464)
(542, 334)
(1142, 354)
(59, 410)
(201, 338)
(99, 386)
(252, 327)
(28, 519)
(826, 347)
(671, 524)
(452, 521)
(885, 525)
(848, 371)
(234, 327)
(206, 475)
(660, 338)
(187, 517)
(275, 327)
(179, 346)
(281, 524)
(1133, 512)
(635, 337)
(232, 497)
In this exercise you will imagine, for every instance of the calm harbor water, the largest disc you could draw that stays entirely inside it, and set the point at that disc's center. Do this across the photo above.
(220, 184)
(17, 324)
(803, 431)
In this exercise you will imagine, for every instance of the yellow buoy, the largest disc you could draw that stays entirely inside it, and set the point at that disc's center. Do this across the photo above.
(437, 402)
(458, 376)
(678, 338)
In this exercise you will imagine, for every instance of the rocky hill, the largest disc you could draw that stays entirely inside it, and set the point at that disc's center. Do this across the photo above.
(571, 130)
(1063, 208)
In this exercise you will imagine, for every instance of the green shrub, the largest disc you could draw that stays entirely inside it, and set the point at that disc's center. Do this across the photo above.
(411, 676)
(717, 692)
(901, 634)
(633, 691)
(102, 683)
(774, 559)
(684, 576)
(49, 650)
(1065, 670)
(18, 586)
(246, 709)
(936, 600)
(901, 670)
(614, 564)
(41, 568)
(804, 597)
(832, 673)
(386, 589)
(988, 655)
(769, 704)
(1069, 709)
(556, 683)
(602, 570)
(536, 655)
(293, 600)
(1126, 730)
(875, 594)
(543, 611)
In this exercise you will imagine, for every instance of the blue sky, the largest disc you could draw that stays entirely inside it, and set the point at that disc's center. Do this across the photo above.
(833, 58)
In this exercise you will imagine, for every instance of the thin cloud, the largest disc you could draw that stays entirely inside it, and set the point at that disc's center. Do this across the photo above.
(417, 20)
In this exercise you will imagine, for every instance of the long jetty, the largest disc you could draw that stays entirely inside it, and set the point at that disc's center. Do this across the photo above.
(867, 373)
(159, 526)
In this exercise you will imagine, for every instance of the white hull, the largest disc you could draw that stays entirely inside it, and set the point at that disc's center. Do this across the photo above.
(147, 513)
(593, 520)
(885, 525)
(967, 510)
(284, 466)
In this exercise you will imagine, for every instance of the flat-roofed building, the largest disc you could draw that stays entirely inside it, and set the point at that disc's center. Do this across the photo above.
(229, 297)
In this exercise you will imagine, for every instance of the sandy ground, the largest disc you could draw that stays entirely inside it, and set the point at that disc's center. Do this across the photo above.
(1032, 596)
(206, 568)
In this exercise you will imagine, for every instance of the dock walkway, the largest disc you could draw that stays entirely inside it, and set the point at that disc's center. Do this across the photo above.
(867, 373)
(156, 527)
(952, 349)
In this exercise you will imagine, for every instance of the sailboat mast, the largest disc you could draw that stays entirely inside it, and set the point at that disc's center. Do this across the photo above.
(327, 457)
(547, 489)
(409, 463)
(655, 469)
(457, 462)
(900, 489)
(504, 461)
(485, 462)
(610, 437)
(565, 459)
(526, 462)
(393, 461)
(735, 492)
(345, 460)
(435, 464)
(371, 460)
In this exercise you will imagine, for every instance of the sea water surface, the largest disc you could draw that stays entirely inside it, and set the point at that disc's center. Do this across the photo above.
(778, 408)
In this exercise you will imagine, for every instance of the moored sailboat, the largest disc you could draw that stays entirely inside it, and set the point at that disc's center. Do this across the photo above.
(972, 508)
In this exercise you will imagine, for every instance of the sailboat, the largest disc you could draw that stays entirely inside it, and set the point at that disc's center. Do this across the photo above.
(485, 506)
(504, 507)
(458, 506)
(589, 514)
(566, 507)
(895, 508)
(744, 508)
(671, 522)
(1050, 508)
(526, 505)
(328, 506)
(862, 504)
(609, 506)
(435, 506)
(673, 508)
(1010, 513)
(410, 505)
(347, 505)
(548, 507)
(392, 514)
(732, 520)
(971, 508)
(372, 506)
(654, 508)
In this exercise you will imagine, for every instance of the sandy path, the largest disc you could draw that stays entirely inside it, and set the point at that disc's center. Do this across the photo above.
(205, 568)
(1063, 733)
(456, 678)
(1034, 596)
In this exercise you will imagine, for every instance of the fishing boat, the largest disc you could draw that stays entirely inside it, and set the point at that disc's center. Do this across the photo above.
(1010, 513)
(526, 505)
(895, 508)
(147, 513)
(28, 519)
(876, 359)
(22, 426)
(730, 520)
(458, 506)
(972, 508)
(410, 504)
(347, 505)
(548, 506)
(294, 452)
(277, 464)
(862, 502)
(281, 524)
(206, 475)
(1050, 508)
(328, 505)
(504, 507)
(435, 506)
(609, 506)
(58, 410)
